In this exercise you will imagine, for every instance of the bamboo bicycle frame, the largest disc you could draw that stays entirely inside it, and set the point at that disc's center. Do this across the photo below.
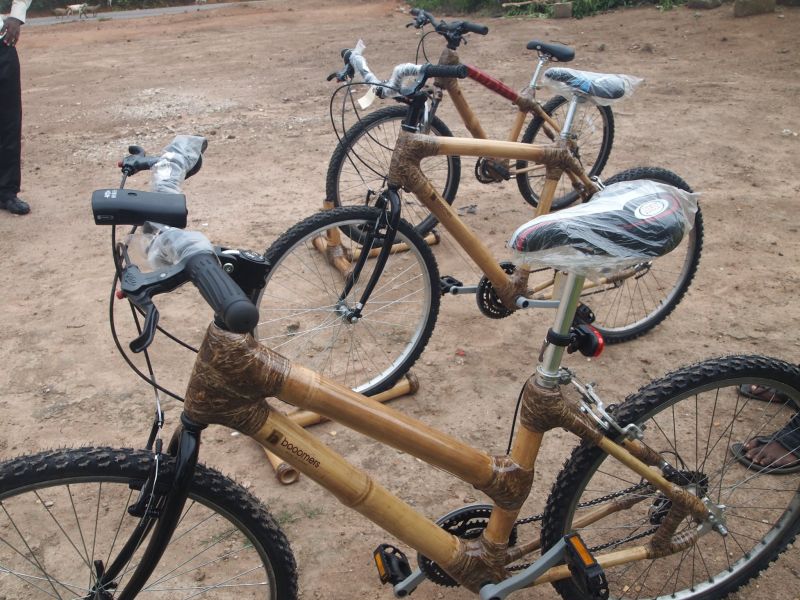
(233, 374)
(524, 101)
(405, 172)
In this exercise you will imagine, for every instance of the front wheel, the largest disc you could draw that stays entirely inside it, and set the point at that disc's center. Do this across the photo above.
(692, 418)
(592, 134)
(306, 317)
(64, 518)
(626, 307)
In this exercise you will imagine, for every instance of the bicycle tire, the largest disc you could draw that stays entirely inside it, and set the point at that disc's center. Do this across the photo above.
(70, 505)
(585, 126)
(629, 308)
(772, 521)
(360, 163)
(303, 319)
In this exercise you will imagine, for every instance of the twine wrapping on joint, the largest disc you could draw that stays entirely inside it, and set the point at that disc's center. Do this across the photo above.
(232, 377)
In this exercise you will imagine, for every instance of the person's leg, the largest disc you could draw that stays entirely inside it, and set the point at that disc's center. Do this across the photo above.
(10, 130)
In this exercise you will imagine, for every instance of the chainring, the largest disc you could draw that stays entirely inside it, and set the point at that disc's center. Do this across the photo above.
(466, 523)
(487, 171)
(488, 301)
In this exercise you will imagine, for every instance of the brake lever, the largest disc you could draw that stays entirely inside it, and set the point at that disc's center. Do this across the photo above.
(151, 315)
(140, 288)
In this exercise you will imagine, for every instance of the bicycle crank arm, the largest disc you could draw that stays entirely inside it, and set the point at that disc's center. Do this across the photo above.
(498, 591)
(409, 584)
(459, 290)
(523, 302)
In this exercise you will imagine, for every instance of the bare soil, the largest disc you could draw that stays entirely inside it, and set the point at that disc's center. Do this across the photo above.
(719, 107)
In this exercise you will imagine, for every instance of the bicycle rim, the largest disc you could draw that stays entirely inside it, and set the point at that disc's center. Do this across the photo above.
(59, 527)
(304, 319)
(692, 419)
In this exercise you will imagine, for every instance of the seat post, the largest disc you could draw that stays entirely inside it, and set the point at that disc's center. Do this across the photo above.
(547, 370)
(573, 107)
(543, 60)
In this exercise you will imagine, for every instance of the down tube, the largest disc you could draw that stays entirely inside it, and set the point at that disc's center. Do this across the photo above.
(354, 488)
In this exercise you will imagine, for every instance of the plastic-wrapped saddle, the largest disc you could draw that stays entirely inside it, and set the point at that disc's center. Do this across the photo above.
(602, 88)
(624, 224)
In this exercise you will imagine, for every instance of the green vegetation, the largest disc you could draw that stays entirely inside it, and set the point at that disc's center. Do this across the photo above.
(580, 8)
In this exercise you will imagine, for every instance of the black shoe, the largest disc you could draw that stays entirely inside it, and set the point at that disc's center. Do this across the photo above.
(15, 206)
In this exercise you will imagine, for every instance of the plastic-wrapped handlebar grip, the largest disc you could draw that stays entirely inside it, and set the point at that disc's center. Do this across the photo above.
(451, 71)
(222, 294)
(475, 28)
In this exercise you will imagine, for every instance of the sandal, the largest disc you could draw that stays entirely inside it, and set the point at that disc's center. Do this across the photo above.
(761, 392)
(740, 453)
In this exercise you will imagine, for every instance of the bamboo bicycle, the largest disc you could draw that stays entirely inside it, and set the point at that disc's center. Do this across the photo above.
(359, 165)
(364, 322)
(651, 504)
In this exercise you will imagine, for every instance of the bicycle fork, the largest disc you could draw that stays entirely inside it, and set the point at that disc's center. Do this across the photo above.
(385, 230)
(160, 513)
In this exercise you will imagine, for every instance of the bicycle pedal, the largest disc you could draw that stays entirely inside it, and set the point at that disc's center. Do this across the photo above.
(392, 564)
(447, 283)
(586, 572)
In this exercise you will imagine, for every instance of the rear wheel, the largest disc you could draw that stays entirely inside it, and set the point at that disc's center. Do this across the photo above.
(305, 318)
(650, 291)
(593, 131)
(692, 418)
(63, 516)
(360, 164)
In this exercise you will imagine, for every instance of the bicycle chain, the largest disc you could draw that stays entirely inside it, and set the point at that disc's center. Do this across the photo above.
(599, 500)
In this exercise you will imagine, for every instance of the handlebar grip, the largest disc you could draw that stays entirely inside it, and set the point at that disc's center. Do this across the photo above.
(222, 294)
(451, 71)
(475, 28)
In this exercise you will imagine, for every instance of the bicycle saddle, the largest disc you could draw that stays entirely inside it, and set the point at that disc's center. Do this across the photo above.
(598, 85)
(557, 52)
(624, 224)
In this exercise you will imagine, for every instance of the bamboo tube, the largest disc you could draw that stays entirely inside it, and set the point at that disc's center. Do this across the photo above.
(497, 149)
(612, 559)
(306, 389)
(409, 384)
(287, 474)
(355, 489)
(546, 197)
(519, 121)
(431, 239)
(466, 113)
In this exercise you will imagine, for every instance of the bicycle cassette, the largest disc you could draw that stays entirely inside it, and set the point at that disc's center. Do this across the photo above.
(467, 523)
(488, 301)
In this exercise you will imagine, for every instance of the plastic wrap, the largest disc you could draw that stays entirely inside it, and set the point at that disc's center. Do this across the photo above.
(603, 88)
(624, 224)
(388, 89)
(176, 160)
(160, 246)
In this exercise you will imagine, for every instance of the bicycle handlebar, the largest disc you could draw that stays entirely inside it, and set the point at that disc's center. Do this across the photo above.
(452, 31)
(221, 293)
(392, 87)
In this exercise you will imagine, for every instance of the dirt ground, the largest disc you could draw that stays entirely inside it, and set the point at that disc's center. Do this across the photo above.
(718, 106)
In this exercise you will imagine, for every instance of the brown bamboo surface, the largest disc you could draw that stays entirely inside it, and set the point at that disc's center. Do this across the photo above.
(354, 488)
(285, 473)
(307, 390)
(495, 148)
